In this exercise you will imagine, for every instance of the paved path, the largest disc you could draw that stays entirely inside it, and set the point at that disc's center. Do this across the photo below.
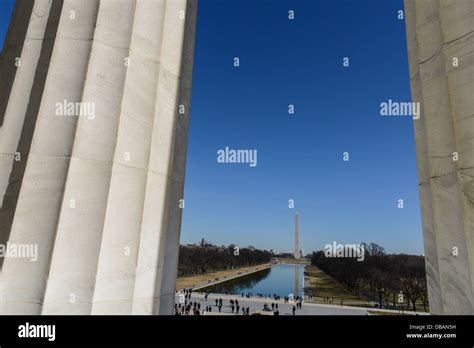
(256, 304)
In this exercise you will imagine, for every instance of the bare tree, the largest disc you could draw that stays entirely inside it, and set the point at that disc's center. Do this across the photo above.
(380, 276)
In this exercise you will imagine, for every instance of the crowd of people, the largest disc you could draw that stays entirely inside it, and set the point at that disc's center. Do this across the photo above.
(191, 308)
(185, 306)
(194, 307)
(274, 309)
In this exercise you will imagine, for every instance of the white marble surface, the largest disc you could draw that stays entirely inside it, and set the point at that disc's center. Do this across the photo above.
(119, 249)
(157, 267)
(23, 282)
(76, 252)
(100, 195)
(437, 32)
(15, 114)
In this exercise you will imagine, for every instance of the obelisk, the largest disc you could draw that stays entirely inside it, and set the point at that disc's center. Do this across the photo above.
(297, 238)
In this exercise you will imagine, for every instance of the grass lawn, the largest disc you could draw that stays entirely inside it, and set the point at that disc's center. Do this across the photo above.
(321, 285)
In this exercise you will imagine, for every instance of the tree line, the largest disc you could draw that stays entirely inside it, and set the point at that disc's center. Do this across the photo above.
(206, 257)
(390, 279)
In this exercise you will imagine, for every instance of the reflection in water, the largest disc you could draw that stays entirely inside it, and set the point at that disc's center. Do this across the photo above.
(281, 280)
(239, 285)
(297, 280)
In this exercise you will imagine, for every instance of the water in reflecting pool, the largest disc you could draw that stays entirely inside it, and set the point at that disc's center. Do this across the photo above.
(281, 280)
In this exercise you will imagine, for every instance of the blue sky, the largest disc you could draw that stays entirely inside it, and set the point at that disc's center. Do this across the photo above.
(6, 9)
(299, 62)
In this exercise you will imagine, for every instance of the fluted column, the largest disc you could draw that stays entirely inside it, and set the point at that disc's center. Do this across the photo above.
(157, 265)
(26, 42)
(103, 144)
(74, 263)
(178, 155)
(440, 37)
(119, 248)
(23, 282)
(16, 37)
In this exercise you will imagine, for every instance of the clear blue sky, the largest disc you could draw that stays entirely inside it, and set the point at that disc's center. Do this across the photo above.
(299, 157)
(6, 9)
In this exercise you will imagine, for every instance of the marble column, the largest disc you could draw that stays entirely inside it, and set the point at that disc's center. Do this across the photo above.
(101, 191)
(23, 282)
(74, 262)
(25, 44)
(118, 252)
(157, 267)
(440, 39)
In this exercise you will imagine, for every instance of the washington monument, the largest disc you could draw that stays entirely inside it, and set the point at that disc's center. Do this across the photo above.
(297, 238)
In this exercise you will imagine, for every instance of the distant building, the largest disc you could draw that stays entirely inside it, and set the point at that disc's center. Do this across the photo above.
(297, 239)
